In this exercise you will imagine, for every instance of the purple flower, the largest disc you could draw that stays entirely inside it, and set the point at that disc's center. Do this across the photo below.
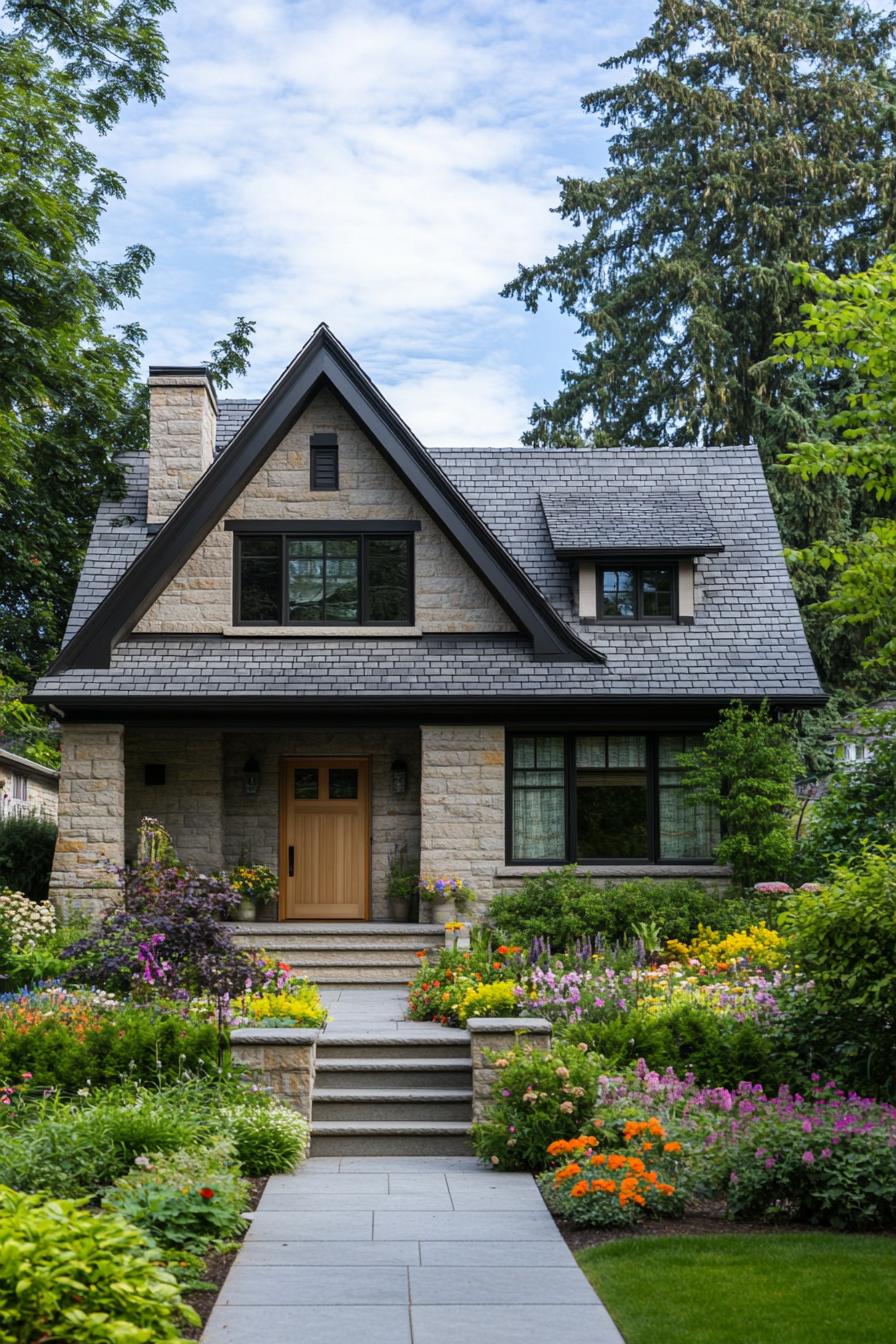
(808, 1157)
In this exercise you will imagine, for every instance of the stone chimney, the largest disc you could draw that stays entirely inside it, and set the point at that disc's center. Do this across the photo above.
(183, 414)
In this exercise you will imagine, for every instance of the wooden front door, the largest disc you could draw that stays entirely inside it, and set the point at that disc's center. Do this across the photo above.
(324, 838)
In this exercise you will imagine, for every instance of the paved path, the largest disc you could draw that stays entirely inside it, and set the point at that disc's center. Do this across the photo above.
(403, 1250)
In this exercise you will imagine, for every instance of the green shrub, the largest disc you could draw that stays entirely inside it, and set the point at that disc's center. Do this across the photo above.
(745, 771)
(68, 1040)
(26, 855)
(538, 1096)
(691, 1038)
(268, 1137)
(561, 907)
(70, 1275)
(844, 941)
(858, 808)
(191, 1199)
(77, 1148)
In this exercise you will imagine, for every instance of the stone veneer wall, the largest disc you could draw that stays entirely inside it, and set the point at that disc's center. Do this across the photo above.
(43, 795)
(182, 420)
(253, 823)
(189, 803)
(462, 805)
(91, 816)
(449, 596)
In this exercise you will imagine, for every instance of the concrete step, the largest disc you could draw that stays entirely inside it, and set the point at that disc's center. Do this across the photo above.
(354, 977)
(392, 1138)
(309, 954)
(363, 1104)
(360, 1072)
(438, 1043)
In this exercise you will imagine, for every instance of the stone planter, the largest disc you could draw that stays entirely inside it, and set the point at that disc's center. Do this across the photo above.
(268, 911)
(498, 1034)
(245, 911)
(279, 1059)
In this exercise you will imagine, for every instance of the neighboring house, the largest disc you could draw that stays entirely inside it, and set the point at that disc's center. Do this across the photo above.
(26, 788)
(855, 741)
(304, 638)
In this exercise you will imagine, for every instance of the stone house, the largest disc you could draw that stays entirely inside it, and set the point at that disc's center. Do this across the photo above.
(26, 788)
(305, 639)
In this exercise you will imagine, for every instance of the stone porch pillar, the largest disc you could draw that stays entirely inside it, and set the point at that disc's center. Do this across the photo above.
(91, 817)
(462, 806)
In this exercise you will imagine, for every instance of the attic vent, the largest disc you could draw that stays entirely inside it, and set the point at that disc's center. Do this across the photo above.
(324, 462)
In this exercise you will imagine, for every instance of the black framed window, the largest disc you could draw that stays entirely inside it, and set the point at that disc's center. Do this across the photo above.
(637, 593)
(339, 579)
(603, 798)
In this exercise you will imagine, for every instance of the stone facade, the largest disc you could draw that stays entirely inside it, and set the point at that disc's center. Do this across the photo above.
(183, 414)
(189, 803)
(449, 596)
(91, 816)
(462, 805)
(281, 1060)
(27, 789)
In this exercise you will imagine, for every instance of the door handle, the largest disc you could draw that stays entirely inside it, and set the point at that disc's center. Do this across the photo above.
(292, 860)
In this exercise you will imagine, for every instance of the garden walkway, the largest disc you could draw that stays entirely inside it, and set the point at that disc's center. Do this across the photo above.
(403, 1250)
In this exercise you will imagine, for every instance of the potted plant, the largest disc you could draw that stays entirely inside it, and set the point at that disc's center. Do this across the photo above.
(257, 887)
(403, 887)
(445, 895)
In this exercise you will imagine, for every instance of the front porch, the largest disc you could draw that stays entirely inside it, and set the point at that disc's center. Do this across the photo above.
(329, 809)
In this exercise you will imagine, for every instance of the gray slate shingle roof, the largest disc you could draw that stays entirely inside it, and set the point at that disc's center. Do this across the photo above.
(623, 522)
(232, 415)
(747, 638)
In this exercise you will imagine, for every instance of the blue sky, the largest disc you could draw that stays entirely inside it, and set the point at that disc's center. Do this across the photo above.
(379, 166)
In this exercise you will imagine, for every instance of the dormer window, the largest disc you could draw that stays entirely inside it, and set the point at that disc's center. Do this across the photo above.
(637, 593)
(322, 575)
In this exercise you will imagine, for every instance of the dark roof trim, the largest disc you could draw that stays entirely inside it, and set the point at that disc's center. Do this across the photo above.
(323, 361)
(322, 526)
(25, 766)
(426, 708)
(634, 554)
(186, 371)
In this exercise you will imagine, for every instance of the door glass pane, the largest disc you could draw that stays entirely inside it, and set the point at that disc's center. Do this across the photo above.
(656, 586)
(260, 579)
(343, 783)
(388, 579)
(619, 593)
(305, 782)
(341, 579)
(611, 803)
(305, 577)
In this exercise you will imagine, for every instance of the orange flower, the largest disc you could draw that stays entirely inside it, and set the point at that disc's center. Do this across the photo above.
(598, 1159)
(615, 1161)
(673, 1147)
(609, 1187)
(571, 1169)
(578, 1190)
(665, 1189)
(655, 1128)
(557, 1147)
(646, 1147)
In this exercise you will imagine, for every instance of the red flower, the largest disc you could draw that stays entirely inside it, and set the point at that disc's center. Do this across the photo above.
(206, 1193)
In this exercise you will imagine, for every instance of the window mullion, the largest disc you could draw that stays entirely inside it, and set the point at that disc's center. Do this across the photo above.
(284, 581)
(569, 773)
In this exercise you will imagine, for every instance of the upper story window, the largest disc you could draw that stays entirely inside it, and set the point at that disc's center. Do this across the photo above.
(19, 786)
(324, 578)
(637, 593)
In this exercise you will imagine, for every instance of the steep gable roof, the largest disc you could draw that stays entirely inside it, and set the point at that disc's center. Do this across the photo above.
(323, 361)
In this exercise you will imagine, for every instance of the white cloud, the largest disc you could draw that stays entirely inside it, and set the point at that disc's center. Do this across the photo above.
(382, 167)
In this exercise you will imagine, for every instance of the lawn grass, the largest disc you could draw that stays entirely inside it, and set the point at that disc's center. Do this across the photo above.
(784, 1288)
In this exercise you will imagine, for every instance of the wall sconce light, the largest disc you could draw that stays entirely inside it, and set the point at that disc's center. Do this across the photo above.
(399, 776)
(251, 774)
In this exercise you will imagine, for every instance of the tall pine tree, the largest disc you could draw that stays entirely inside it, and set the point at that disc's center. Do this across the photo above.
(749, 134)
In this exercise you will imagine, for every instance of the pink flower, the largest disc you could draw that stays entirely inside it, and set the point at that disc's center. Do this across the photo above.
(27, 1075)
(566, 1107)
(808, 1157)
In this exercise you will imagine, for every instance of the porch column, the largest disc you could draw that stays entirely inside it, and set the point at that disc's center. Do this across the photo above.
(91, 817)
(462, 806)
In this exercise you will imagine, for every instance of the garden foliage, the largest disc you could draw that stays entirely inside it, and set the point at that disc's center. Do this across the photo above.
(26, 855)
(166, 933)
(68, 1275)
(560, 909)
(611, 1180)
(858, 808)
(189, 1200)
